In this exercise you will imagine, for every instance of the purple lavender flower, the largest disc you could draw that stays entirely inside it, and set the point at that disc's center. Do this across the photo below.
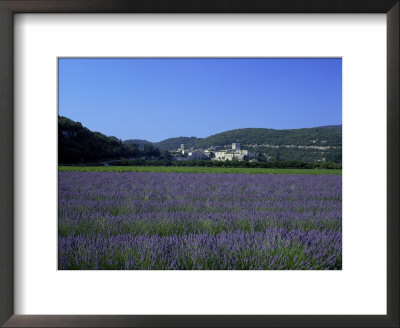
(182, 221)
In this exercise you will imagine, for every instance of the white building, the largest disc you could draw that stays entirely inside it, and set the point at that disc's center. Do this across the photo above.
(183, 150)
(236, 146)
(232, 154)
(207, 153)
(195, 154)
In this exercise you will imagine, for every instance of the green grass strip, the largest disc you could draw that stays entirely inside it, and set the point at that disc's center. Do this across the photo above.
(194, 169)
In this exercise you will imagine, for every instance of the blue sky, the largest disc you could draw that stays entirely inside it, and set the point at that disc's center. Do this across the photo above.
(155, 99)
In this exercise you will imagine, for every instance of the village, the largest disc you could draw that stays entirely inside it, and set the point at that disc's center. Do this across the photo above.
(235, 153)
(215, 153)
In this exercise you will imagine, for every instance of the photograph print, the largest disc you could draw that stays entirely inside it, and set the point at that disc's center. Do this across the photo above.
(199, 164)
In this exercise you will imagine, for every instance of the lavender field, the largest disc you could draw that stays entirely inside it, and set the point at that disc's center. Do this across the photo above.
(204, 221)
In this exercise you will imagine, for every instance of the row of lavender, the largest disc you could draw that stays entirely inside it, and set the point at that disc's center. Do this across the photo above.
(162, 221)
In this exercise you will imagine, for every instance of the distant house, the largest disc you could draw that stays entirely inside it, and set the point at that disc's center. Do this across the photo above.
(196, 154)
(183, 150)
(232, 154)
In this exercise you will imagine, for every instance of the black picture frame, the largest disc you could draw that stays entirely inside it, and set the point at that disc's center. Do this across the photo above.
(10, 7)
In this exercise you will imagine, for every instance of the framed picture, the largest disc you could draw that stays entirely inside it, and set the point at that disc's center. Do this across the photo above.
(224, 98)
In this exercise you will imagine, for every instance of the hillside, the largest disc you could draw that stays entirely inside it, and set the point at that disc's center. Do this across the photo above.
(330, 135)
(140, 142)
(167, 144)
(77, 143)
(305, 145)
(174, 143)
(336, 127)
(255, 136)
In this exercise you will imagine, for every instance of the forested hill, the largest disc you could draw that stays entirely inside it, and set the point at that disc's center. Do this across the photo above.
(330, 135)
(174, 143)
(140, 142)
(167, 144)
(320, 136)
(335, 127)
(77, 144)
